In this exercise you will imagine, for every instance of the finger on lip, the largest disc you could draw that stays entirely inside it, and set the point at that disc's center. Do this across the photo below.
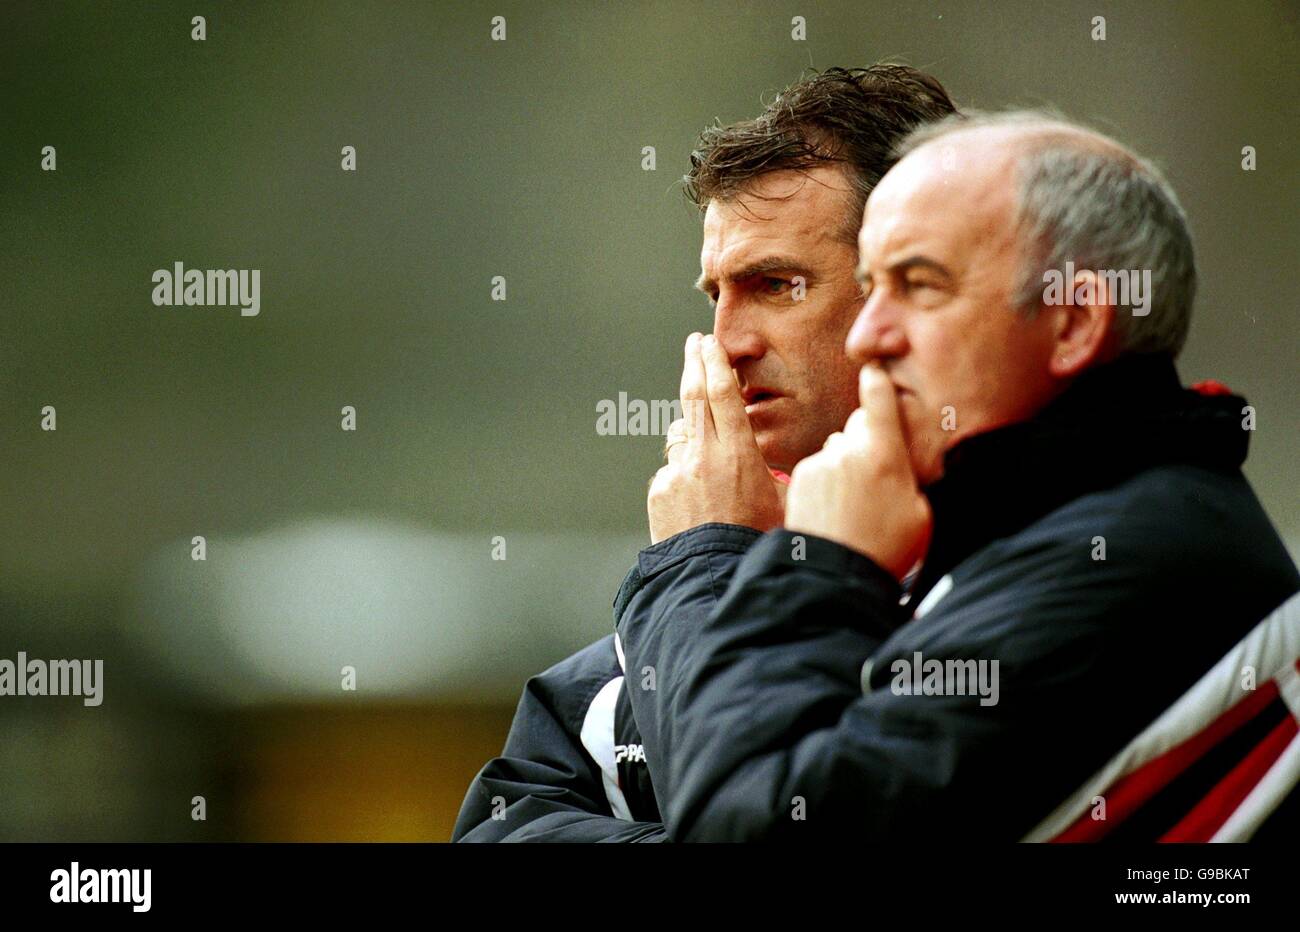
(872, 378)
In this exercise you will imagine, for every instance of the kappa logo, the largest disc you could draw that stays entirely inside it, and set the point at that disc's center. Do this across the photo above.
(632, 753)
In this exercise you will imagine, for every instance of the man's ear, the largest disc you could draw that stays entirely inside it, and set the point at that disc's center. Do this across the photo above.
(1083, 328)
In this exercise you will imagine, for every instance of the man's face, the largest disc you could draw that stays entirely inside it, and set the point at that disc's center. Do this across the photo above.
(938, 260)
(785, 340)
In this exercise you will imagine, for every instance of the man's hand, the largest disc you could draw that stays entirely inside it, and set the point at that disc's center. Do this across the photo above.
(715, 471)
(860, 490)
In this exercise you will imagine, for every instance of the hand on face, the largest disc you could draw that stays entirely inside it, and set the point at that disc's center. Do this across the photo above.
(715, 472)
(860, 490)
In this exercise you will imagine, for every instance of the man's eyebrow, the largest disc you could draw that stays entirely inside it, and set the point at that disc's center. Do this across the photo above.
(762, 266)
(904, 265)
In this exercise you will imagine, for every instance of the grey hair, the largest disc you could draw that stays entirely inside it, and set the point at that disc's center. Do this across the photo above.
(1085, 199)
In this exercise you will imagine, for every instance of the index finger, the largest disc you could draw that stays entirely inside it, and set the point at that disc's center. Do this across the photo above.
(725, 403)
(879, 412)
(694, 391)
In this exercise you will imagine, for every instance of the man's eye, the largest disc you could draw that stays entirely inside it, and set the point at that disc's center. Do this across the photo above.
(774, 285)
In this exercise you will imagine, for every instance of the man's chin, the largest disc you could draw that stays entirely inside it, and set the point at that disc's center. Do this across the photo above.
(782, 451)
(927, 461)
(775, 453)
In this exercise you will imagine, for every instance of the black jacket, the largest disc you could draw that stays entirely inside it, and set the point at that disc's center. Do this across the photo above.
(784, 715)
(750, 691)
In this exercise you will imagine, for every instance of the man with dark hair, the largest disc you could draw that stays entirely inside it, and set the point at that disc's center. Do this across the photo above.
(782, 199)
(850, 117)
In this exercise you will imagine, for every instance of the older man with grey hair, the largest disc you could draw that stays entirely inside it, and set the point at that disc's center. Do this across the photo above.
(1026, 543)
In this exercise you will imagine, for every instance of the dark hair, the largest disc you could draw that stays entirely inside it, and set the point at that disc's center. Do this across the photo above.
(851, 116)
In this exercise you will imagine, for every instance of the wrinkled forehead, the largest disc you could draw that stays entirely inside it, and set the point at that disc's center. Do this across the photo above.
(945, 194)
(794, 208)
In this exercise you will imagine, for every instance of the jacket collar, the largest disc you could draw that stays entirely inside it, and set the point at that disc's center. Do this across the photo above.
(1114, 421)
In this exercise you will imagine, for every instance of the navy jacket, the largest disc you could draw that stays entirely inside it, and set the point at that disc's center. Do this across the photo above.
(571, 744)
(768, 697)
(792, 712)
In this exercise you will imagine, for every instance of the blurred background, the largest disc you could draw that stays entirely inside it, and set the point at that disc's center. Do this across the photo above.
(475, 418)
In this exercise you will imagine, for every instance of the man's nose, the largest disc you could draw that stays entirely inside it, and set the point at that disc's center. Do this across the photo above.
(877, 333)
(736, 330)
